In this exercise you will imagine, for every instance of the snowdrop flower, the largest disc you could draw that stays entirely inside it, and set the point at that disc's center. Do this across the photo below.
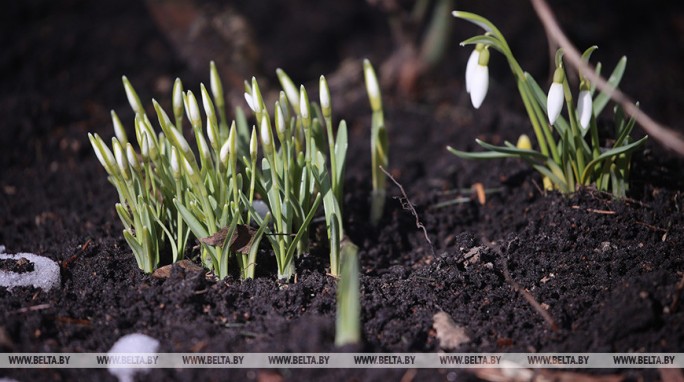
(472, 63)
(554, 100)
(477, 80)
(584, 108)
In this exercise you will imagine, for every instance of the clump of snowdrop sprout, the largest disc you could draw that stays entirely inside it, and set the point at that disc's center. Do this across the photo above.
(170, 192)
(379, 144)
(569, 154)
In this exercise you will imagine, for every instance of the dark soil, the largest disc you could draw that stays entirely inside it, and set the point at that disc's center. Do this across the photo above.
(607, 270)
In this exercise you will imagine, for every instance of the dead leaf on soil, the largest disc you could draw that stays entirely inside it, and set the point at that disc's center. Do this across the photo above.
(165, 271)
(240, 242)
(449, 334)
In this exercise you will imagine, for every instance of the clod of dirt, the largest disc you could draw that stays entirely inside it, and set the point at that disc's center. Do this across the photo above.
(449, 334)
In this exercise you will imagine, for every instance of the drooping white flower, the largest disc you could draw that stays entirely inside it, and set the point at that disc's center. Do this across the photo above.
(584, 108)
(470, 66)
(477, 78)
(554, 102)
(555, 97)
(479, 84)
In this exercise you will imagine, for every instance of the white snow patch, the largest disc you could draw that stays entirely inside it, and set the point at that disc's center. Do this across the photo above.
(133, 343)
(45, 274)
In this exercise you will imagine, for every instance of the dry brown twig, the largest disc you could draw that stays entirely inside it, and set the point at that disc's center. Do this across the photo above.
(666, 136)
(407, 205)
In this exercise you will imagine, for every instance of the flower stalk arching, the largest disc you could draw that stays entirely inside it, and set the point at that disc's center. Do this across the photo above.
(564, 159)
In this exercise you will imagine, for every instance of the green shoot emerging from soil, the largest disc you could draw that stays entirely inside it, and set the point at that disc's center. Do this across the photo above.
(169, 191)
(379, 144)
(569, 153)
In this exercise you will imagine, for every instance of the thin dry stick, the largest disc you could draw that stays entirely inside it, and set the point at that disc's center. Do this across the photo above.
(407, 205)
(531, 300)
(667, 137)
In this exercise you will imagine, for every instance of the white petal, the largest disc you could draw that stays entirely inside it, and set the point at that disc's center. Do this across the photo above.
(479, 85)
(470, 66)
(584, 108)
(554, 101)
(265, 132)
(248, 98)
(193, 109)
(175, 163)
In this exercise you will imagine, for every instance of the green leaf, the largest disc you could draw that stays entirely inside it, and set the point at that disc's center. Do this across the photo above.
(478, 155)
(348, 321)
(478, 20)
(195, 226)
(341, 145)
(614, 80)
(125, 217)
(587, 53)
(514, 151)
(302, 229)
(610, 154)
(484, 39)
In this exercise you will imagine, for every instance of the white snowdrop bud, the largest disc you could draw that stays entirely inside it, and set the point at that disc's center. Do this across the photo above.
(180, 140)
(121, 161)
(257, 101)
(203, 147)
(207, 104)
(132, 157)
(177, 98)
(303, 102)
(193, 109)
(555, 97)
(145, 147)
(188, 168)
(225, 153)
(289, 88)
(280, 123)
(132, 96)
(250, 103)
(266, 135)
(584, 108)
(215, 84)
(175, 163)
(324, 94)
(372, 86)
(119, 130)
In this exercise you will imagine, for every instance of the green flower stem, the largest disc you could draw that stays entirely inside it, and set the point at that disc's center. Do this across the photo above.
(527, 101)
